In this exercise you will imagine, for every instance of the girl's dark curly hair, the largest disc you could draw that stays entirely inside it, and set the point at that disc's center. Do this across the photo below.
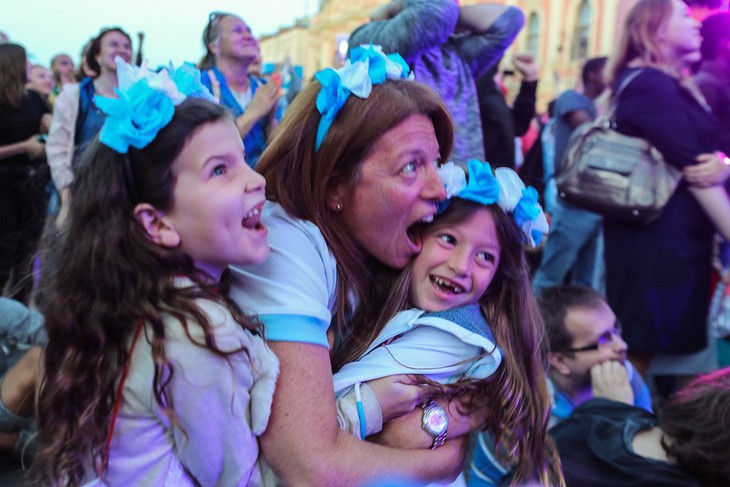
(104, 275)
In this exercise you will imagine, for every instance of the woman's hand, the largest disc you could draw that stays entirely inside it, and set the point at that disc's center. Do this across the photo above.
(398, 394)
(264, 100)
(407, 431)
(711, 170)
(34, 147)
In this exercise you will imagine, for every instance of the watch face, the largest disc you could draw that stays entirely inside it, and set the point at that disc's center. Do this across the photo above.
(435, 420)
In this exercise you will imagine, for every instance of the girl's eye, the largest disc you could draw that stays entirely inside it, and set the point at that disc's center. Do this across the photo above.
(446, 238)
(485, 256)
(219, 170)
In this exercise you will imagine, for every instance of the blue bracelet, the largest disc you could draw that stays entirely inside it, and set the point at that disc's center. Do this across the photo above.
(360, 412)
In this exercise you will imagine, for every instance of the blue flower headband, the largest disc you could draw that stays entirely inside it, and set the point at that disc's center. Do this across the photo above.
(504, 187)
(367, 66)
(146, 103)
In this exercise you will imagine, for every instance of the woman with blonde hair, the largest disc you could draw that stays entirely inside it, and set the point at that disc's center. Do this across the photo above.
(658, 275)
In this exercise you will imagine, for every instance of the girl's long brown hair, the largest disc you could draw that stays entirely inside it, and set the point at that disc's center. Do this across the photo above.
(104, 275)
(514, 402)
(299, 178)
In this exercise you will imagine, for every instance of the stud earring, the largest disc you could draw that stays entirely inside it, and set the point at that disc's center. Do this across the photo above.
(338, 207)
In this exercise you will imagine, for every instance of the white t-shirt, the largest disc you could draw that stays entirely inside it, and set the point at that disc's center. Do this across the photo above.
(293, 291)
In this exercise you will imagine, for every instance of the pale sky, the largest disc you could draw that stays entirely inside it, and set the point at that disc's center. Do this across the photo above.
(172, 28)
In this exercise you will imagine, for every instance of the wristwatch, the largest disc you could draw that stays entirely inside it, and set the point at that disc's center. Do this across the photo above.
(435, 422)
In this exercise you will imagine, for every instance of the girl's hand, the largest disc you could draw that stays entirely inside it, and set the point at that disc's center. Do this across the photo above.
(398, 394)
(710, 170)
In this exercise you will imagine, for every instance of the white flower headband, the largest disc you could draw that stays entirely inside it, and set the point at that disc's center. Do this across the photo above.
(505, 188)
(146, 103)
(368, 65)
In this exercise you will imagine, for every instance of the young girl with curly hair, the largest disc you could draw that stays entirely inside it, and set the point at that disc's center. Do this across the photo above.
(463, 318)
(152, 375)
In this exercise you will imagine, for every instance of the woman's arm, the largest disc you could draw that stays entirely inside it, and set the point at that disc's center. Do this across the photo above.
(410, 27)
(59, 145)
(305, 446)
(716, 203)
(32, 146)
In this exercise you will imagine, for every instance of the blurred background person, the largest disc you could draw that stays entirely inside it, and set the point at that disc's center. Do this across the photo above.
(62, 67)
(231, 48)
(23, 173)
(574, 247)
(502, 123)
(76, 119)
(607, 441)
(40, 79)
(658, 274)
(448, 47)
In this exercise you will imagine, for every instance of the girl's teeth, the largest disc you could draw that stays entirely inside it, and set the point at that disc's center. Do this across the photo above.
(455, 289)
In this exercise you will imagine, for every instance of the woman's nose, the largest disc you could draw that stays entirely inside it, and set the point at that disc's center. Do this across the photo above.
(434, 188)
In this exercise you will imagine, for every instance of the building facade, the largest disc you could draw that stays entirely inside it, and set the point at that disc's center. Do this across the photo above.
(562, 34)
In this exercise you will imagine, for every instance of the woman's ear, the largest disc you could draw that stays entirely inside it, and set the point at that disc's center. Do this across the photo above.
(158, 228)
(336, 197)
(213, 47)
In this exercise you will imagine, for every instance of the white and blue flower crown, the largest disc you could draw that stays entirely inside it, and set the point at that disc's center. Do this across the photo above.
(504, 187)
(368, 65)
(146, 103)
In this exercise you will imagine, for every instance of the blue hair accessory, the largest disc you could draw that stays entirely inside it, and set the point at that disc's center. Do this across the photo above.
(504, 187)
(482, 186)
(367, 66)
(146, 103)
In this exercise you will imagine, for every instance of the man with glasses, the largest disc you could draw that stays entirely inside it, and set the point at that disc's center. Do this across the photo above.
(587, 357)
(583, 333)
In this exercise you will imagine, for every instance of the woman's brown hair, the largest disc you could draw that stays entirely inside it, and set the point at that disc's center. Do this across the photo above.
(639, 37)
(299, 178)
(105, 276)
(12, 75)
(513, 403)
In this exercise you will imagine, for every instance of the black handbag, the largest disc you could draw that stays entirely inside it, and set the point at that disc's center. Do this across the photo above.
(620, 177)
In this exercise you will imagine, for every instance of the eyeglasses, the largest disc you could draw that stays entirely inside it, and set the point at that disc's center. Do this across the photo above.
(604, 341)
(213, 19)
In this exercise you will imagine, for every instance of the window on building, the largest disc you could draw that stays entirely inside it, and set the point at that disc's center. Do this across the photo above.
(533, 34)
(582, 31)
